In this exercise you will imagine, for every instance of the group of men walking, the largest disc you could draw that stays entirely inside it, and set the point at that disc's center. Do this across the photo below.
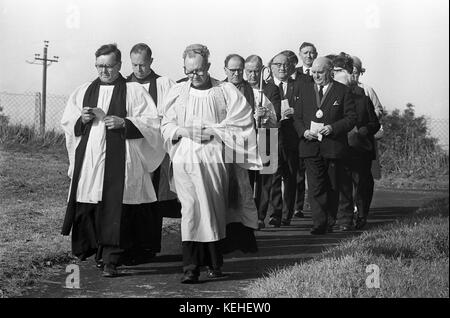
(144, 147)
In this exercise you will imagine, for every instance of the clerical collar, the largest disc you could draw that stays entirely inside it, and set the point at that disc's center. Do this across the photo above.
(144, 80)
(115, 82)
(204, 86)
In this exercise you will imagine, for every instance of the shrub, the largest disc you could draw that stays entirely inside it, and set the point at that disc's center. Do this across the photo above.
(407, 149)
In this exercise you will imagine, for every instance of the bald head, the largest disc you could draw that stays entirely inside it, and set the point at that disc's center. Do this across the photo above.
(321, 71)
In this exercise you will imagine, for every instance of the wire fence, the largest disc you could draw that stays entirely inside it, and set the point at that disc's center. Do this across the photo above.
(25, 109)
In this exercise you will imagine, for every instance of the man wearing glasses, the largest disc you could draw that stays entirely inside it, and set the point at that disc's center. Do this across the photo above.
(283, 202)
(204, 119)
(324, 114)
(113, 142)
(265, 115)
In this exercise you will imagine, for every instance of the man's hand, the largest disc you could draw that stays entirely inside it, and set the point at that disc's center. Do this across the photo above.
(309, 135)
(114, 122)
(363, 131)
(289, 112)
(198, 135)
(326, 130)
(87, 115)
(260, 112)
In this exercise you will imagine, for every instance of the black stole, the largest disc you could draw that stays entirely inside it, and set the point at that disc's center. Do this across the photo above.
(151, 78)
(109, 218)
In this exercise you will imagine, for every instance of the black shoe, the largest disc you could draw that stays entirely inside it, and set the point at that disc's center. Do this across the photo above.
(299, 214)
(99, 264)
(275, 222)
(214, 273)
(317, 231)
(189, 278)
(110, 270)
(360, 223)
(261, 225)
(346, 228)
(285, 222)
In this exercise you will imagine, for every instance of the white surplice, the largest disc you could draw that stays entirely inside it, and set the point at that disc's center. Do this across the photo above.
(142, 156)
(163, 85)
(200, 172)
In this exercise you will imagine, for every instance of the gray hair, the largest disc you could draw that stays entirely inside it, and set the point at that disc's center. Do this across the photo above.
(196, 49)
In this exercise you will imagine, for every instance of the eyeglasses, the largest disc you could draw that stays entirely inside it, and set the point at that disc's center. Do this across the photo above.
(105, 66)
(234, 70)
(280, 65)
(195, 72)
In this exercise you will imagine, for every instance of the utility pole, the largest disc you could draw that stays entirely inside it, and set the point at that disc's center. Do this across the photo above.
(45, 61)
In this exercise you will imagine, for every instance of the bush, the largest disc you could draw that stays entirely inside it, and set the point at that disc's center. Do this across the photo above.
(407, 150)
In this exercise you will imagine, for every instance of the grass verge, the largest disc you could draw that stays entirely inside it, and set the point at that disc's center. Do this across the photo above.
(411, 254)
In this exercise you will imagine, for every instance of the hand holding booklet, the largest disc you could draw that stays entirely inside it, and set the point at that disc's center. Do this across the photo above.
(98, 112)
(315, 128)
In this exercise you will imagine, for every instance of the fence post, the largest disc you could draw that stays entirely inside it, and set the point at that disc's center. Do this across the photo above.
(37, 114)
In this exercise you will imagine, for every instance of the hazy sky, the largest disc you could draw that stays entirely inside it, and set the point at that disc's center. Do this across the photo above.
(403, 43)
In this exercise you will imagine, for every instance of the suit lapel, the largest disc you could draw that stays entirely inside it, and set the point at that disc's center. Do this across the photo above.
(290, 92)
(329, 94)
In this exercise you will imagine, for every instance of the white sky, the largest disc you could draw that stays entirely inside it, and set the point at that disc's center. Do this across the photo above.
(403, 43)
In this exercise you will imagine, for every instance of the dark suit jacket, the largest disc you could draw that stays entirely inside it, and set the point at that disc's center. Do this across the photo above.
(365, 117)
(300, 76)
(338, 108)
(288, 137)
(273, 94)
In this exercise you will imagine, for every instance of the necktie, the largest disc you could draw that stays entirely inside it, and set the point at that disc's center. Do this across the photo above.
(281, 90)
(320, 92)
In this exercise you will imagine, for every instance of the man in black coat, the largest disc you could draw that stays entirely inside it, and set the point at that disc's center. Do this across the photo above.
(253, 71)
(283, 203)
(361, 140)
(324, 114)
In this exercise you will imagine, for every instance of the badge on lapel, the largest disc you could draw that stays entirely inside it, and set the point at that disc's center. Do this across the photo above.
(336, 103)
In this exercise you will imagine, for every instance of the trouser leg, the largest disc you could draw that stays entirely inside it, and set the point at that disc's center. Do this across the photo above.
(277, 192)
(301, 186)
(198, 254)
(318, 184)
(290, 183)
(345, 183)
(364, 187)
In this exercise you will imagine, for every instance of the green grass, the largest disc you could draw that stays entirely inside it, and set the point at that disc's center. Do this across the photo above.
(412, 255)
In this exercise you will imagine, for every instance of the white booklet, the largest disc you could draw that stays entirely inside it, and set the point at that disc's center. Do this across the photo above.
(284, 107)
(315, 127)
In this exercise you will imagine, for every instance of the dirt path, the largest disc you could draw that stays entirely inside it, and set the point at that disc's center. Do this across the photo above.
(277, 247)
